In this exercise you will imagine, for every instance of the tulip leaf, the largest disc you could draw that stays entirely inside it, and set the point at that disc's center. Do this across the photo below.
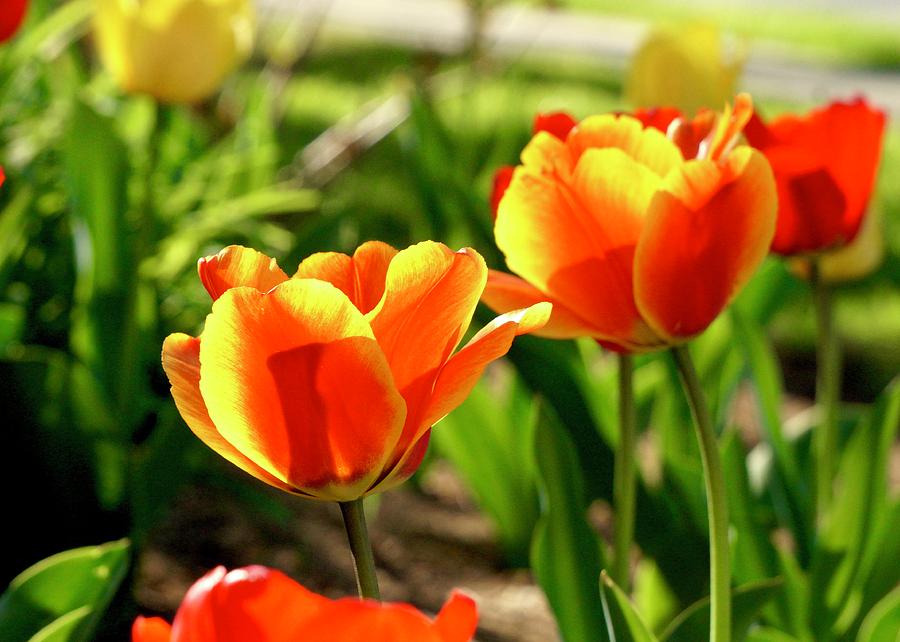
(766, 634)
(692, 624)
(882, 624)
(499, 416)
(565, 552)
(64, 596)
(860, 505)
(623, 622)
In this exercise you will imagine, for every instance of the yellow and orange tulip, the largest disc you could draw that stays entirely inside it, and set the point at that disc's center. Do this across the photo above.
(327, 384)
(638, 238)
(178, 51)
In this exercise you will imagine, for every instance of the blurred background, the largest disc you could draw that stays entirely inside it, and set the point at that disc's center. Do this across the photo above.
(354, 120)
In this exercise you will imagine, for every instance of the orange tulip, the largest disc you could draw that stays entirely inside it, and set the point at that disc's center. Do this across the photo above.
(257, 604)
(825, 165)
(638, 238)
(327, 384)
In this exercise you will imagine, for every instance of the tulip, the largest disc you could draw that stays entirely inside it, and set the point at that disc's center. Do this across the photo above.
(638, 238)
(686, 67)
(177, 51)
(11, 17)
(825, 164)
(327, 384)
(258, 604)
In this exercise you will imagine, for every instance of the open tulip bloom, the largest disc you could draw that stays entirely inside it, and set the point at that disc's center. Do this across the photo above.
(639, 228)
(638, 238)
(258, 604)
(327, 384)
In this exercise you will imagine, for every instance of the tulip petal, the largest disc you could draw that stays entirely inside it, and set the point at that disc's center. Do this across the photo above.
(311, 398)
(575, 241)
(462, 371)
(558, 123)
(351, 620)
(502, 178)
(457, 619)
(505, 293)
(430, 296)
(706, 233)
(181, 361)
(151, 629)
(250, 603)
(648, 146)
(361, 277)
(546, 154)
(237, 266)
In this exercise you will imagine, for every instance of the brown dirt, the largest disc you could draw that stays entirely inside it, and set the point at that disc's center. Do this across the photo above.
(426, 542)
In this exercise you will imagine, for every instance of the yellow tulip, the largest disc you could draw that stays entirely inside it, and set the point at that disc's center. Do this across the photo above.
(685, 67)
(177, 51)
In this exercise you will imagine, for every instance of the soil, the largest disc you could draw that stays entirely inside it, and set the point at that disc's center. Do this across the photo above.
(427, 542)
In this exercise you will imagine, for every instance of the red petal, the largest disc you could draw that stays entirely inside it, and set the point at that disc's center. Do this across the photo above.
(558, 123)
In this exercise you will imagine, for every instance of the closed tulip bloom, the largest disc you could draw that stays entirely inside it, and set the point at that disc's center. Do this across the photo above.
(178, 51)
(825, 164)
(638, 238)
(11, 16)
(327, 384)
(258, 604)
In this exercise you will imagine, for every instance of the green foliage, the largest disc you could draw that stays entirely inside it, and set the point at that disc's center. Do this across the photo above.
(623, 622)
(565, 553)
(62, 598)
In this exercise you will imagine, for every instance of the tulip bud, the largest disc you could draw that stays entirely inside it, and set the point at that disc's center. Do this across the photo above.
(177, 51)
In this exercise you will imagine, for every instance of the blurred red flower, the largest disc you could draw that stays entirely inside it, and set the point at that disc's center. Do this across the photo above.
(11, 16)
(258, 604)
(825, 165)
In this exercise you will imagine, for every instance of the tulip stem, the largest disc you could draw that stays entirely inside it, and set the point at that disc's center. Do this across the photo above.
(828, 382)
(360, 548)
(719, 562)
(624, 478)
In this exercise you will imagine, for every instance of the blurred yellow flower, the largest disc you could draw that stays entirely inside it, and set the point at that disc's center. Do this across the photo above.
(687, 67)
(178, 51)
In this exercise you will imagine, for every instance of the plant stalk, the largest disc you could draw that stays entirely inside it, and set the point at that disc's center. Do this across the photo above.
(361, 548)
(719, 562)
(828, 384)
(624, 475)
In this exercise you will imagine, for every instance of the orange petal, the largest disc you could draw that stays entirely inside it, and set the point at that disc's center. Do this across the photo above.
(151, 629)
(352, 620)
(429, 298)
(575, 240)
(237, 266)
(296, 381)
(705, 235)
(361, 277)
(649, 146)
(181, 361)
(458, 618)
(462, 371)
(505, 293)
(250, 603)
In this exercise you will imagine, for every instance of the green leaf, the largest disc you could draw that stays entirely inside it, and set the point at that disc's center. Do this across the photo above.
(747, 600)
(882, 624)
(565, 553)
(860, 505)
(499, 416)
(623, 622)
(48, 600)
(764, 634)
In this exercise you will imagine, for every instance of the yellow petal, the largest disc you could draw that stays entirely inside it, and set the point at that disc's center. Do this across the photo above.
(237, 266)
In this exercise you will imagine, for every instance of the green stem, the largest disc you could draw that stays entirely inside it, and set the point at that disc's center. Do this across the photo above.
(624, 475)
(719, 563)
(828, 381)
(361, 548)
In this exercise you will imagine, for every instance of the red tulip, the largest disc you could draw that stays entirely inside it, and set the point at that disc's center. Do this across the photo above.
(327, 384)
(825, 165)
(639, 239)
(258, 604)
(11, 16)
